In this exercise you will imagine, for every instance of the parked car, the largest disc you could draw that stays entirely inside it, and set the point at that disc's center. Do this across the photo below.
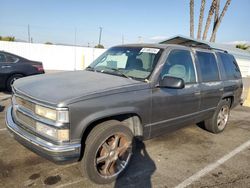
(13, 67)
(129, 92)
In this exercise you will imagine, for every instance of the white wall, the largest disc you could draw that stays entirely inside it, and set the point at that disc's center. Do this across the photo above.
(59, 57)
(244, 65)
(54, 57)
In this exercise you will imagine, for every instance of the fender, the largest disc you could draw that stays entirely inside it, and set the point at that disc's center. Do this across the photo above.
(87, 121)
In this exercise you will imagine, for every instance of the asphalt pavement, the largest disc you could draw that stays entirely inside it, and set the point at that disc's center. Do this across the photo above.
(189, 157)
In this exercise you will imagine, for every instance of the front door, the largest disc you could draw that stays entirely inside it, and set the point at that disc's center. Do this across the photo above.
(172, 108)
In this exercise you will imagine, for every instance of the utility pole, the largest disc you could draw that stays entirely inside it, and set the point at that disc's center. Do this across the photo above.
(75, 50)
(28, 33)
(75, 37)
(100, 35)
(122, 39)
(140, 39)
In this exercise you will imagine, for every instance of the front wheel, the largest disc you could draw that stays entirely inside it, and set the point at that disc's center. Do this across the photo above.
(108, 151)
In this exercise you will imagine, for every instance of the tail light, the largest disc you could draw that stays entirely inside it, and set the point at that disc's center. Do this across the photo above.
(39, 68)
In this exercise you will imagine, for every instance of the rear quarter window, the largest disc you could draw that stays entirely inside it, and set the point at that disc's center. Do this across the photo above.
(11, 59)
(208, 66)
(231, 68)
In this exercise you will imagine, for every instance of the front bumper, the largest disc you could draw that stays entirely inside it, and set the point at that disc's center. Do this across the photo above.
(57, 153)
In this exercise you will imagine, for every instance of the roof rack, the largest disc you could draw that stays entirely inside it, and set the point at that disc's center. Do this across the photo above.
(190, 42)
(204, 47)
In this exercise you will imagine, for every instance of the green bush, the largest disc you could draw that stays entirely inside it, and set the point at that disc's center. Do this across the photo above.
(8, 38)
(99, 46)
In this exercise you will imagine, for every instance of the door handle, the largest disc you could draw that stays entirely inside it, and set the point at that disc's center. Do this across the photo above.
(197, 93)
(6, 66)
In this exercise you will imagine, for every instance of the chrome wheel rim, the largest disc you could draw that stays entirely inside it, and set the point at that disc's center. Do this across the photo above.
(223, 117)
(113, 155)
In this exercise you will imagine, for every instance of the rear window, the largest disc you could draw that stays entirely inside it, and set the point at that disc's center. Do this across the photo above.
(230, 66)
(208, 66)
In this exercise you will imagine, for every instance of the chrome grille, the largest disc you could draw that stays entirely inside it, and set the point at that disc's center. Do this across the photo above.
(21, 107)
(25, 104)
(25, 120)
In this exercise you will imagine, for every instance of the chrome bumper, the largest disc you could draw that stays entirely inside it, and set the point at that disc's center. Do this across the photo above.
(55, 153)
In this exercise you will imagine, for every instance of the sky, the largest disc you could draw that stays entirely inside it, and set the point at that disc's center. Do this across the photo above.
(131, 21)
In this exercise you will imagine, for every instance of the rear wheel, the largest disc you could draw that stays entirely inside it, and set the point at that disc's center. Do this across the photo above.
(218, 122)
(108, 152)
(11, 80)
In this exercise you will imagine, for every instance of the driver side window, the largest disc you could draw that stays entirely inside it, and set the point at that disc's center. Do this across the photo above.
(179, 64)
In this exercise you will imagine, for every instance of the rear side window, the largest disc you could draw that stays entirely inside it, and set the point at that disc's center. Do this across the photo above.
(208, 66)
(231, 68)
(11, 59)
(2, 58)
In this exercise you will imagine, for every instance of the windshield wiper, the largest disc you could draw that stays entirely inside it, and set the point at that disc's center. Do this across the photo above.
(120, 72)
(89, 68)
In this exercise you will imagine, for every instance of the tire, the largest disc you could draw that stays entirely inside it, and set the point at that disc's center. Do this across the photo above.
(101, 143)
(218, 122)
(11, 80)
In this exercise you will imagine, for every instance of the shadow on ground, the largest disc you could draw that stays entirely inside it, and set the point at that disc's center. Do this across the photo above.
(140, 169)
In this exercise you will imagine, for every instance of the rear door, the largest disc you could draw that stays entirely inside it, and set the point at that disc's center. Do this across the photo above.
(211, 84)
(7, 66)
(3, 68)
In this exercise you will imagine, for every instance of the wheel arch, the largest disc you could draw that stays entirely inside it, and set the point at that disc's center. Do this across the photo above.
(12, 74)
(229, 97)
(131, 120)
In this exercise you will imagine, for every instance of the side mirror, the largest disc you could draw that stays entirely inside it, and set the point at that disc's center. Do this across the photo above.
(172, 82)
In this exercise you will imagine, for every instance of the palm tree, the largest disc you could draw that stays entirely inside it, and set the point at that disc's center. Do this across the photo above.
(210, 14)
(216, 16)
(212, 39)
(203, 2)
(191, 5)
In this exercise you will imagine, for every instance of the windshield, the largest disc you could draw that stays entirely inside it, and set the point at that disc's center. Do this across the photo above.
(130, 62)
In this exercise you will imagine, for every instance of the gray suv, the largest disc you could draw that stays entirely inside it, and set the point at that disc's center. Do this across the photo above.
(130, 91)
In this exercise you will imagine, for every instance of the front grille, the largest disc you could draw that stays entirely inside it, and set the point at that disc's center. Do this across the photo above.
(25, 120)
(21, 108)
(25, 104)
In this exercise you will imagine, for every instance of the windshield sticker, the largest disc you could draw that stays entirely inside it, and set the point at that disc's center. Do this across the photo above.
(150, 50)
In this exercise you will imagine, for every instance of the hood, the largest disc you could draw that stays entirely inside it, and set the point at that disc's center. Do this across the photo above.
(68, 86)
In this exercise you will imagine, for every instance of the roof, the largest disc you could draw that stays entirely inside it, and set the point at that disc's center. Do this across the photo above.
(187, 41)
(145, 45)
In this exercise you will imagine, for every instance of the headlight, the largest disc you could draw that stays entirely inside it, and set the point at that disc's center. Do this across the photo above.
(61, 116)
(58, 134)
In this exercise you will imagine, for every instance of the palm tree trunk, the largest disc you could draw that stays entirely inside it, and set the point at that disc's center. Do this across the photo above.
(216, 17)
(219, 20)
(210, 14)
(203, 2)
(191, 18)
